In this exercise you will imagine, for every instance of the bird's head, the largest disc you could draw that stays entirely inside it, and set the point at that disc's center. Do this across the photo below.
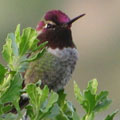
(55, 27)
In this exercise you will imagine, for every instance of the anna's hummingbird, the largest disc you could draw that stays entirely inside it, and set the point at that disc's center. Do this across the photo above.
(55, 67)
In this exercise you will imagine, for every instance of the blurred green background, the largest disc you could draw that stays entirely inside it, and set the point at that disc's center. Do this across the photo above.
(97, 37)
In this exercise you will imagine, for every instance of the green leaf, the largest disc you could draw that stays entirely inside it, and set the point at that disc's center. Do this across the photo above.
(28, 38)
(17, 35)
(35, 56)
(78, 93)
(13, 92)
(102, 105)
(33, 38)
(7, 108)
(89, 116)
(62, 96)
(53, 97)
(110, 117)
(68, 109)
(41, 101)
(101, 96)
(41, 46)
(24, 44)
(43, 96)
(7, 52)
(16, 105)
(30, 111)
(61, 116)
(102, 101)
(54, 111)
(11, 36)
(9, 116)
(75, 116)
(89, 102)
(37, 100)
(33, 94)
(3, 70)
(1, 108)
(92, 86)
(34, 45)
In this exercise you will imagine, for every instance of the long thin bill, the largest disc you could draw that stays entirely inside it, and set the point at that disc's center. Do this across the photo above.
(74, 19)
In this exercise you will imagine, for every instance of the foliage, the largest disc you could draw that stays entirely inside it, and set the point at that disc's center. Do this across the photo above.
(43, 104)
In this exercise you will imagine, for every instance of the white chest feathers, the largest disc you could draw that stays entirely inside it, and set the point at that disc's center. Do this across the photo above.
(65, 54)
(63, 66)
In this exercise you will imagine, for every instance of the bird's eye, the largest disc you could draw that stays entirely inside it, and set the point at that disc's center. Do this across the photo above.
(49, 26)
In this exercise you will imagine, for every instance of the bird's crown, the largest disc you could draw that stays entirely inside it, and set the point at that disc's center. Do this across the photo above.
(53, 18)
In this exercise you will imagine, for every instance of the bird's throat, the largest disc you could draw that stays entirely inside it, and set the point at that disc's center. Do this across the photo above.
(58, 38)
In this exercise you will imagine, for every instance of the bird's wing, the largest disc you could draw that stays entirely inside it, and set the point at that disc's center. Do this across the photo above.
(40, 68)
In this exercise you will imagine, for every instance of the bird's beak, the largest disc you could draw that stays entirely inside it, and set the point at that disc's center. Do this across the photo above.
(74, 19)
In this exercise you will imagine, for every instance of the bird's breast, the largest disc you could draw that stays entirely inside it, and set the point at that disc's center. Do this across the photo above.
(65, 53)
(54, 68)
(64, 64)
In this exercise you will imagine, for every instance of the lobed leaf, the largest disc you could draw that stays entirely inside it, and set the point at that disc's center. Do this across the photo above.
(53, 112)
(17, 35)
(1, 108)
(92, 86)
(43, 96)
(30, 111)
(33, 94)
(11, 36)
(102, 105)
(102, 101)
(89, 116)
(9, 116)
(7, 52)
(53, 97)
(3, 70)
(62, 97)
(35, 56)
(13, 92)
(61, 116)
(41, 46)
(7, 108)
(89, 102)
(75, 116)
(68, 109)
(78, 93)
(28, 38)
(41, 101)
(101, 96)
(110, 117)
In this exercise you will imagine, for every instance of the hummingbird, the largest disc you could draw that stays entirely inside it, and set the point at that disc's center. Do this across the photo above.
(56, 66)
